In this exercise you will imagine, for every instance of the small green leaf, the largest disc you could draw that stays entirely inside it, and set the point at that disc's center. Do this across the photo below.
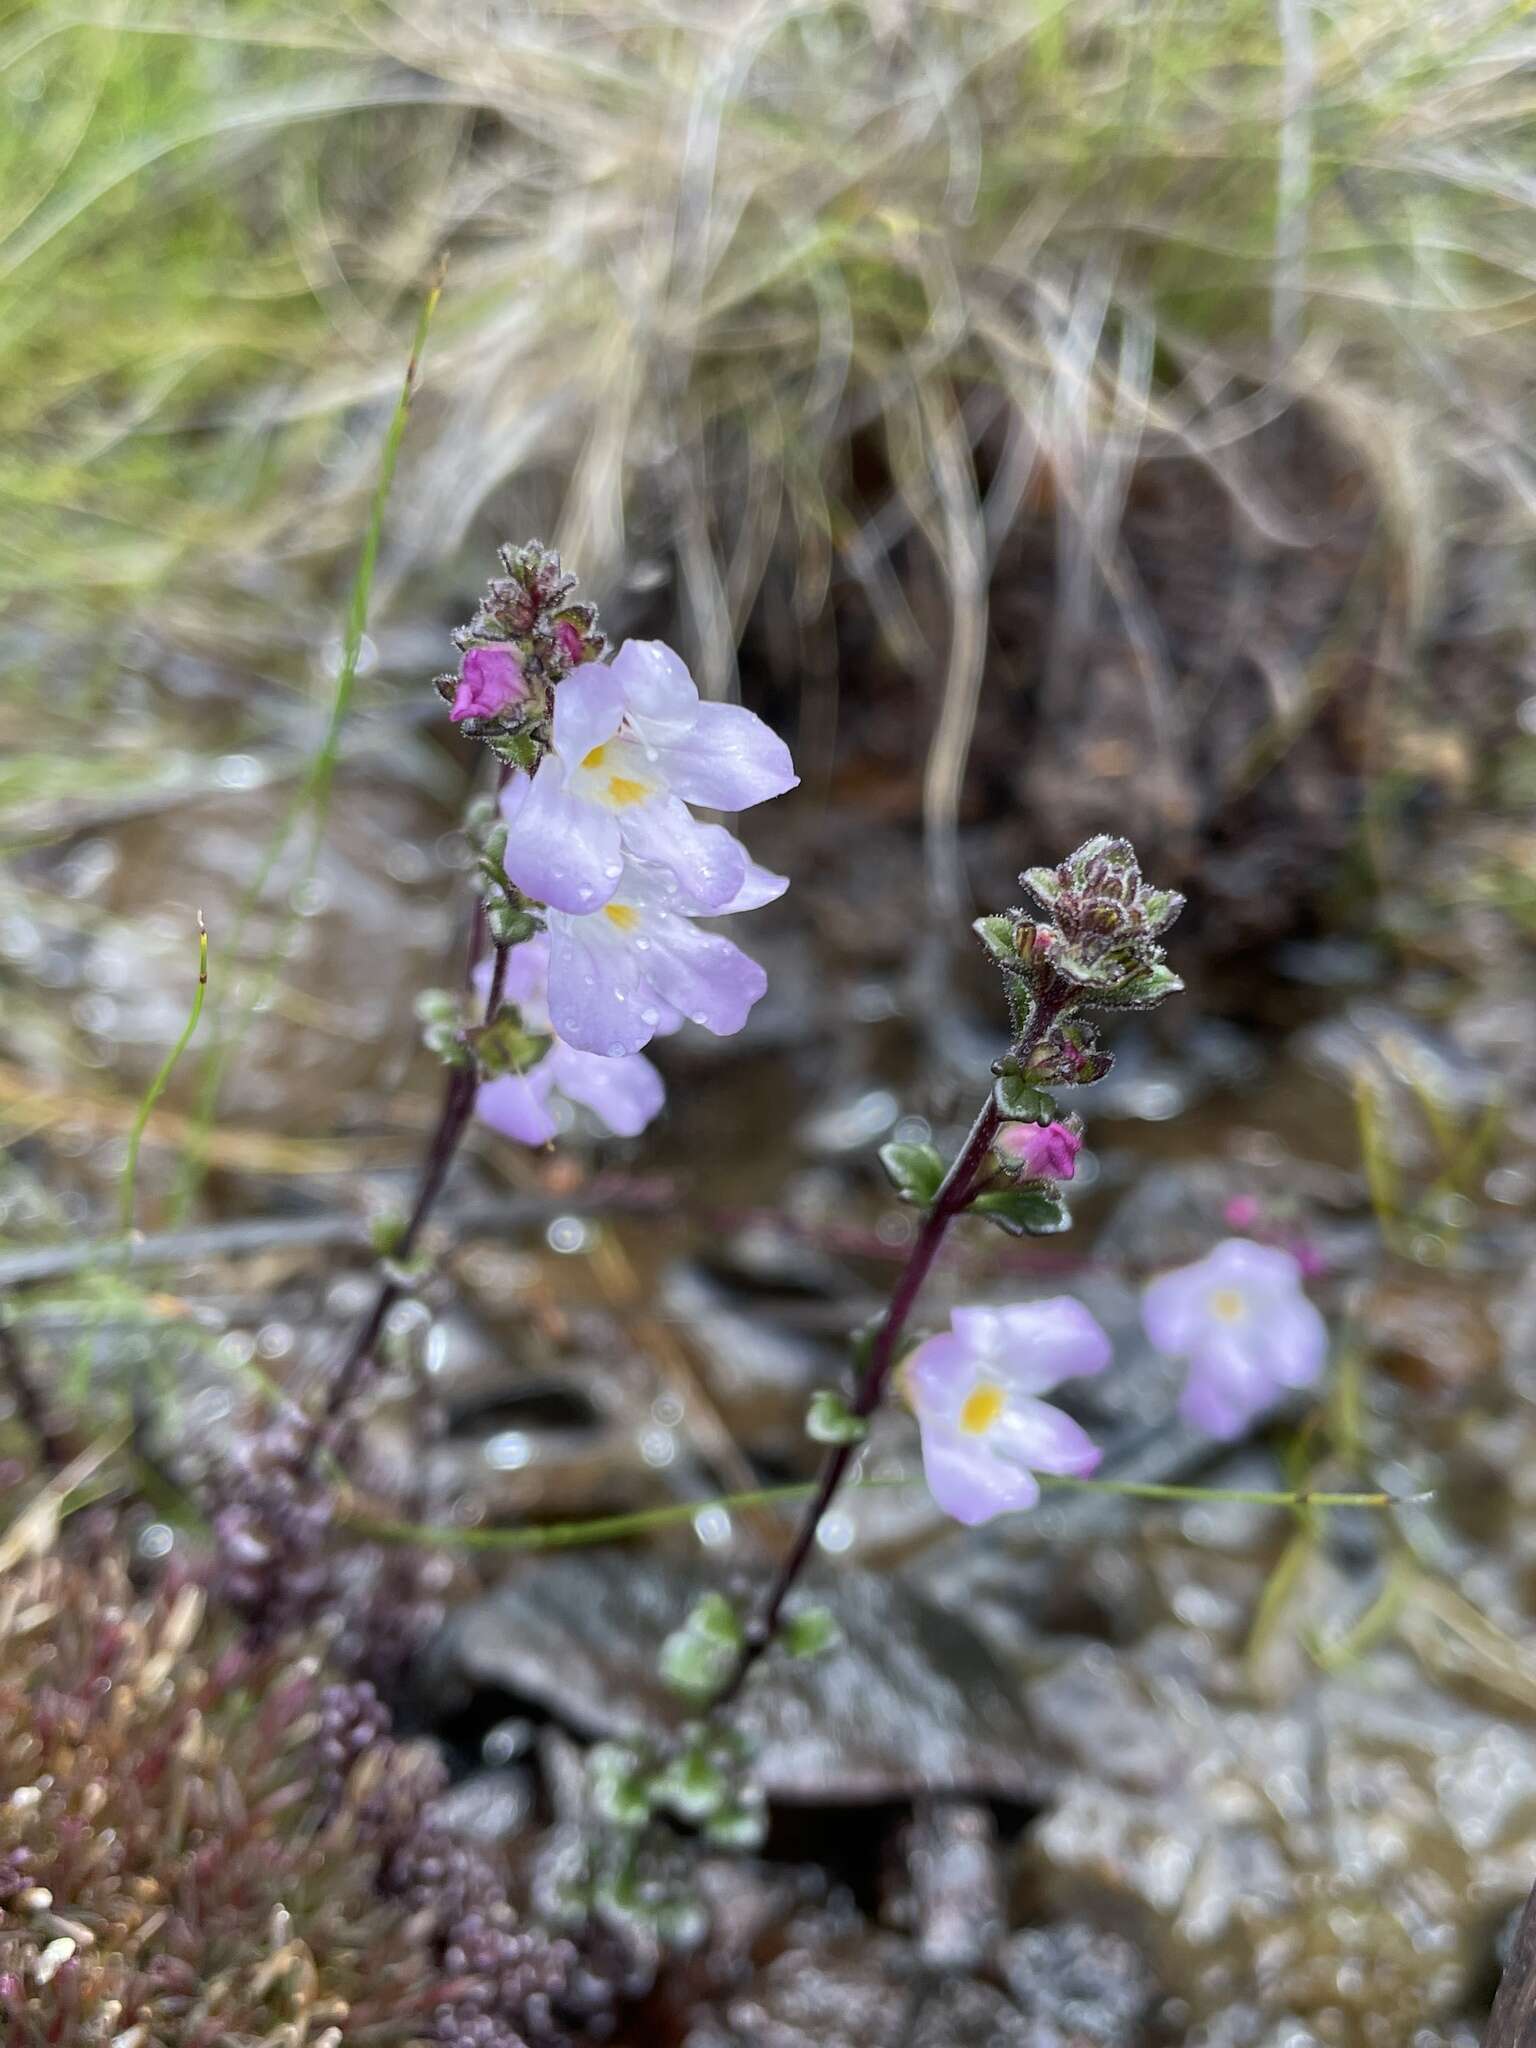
(692, 1787)
(811, 1633)
(916, 1171)
(1022, 1102)
(716, 1620)
(1141, 991)
(1025, 1212)
(829, 1420)
(698, 1658)
(385, 1233)
(620, 1788)
(693, 1666)
(996, 934)
(742, 1826)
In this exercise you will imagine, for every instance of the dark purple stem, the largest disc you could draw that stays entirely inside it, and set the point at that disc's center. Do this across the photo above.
(959, 1185)
(947, 1205)
(452, 1119)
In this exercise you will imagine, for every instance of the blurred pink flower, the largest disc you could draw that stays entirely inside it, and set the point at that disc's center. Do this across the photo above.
(1241, 1320)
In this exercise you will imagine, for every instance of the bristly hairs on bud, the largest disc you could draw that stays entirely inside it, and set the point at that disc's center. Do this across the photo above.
(1101, 951)
(527, 634)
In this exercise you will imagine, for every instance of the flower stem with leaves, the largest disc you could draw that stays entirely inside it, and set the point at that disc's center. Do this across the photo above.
(1101, 952)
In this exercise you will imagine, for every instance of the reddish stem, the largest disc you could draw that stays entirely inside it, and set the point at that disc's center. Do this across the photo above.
(955, 1193)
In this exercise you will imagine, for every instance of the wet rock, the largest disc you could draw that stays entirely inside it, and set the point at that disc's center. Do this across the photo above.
(1336, 1864)
(863, 1994)
(1078, 1986)
(951, 1851)
(488, 1806)
(911, 1702)
(759, 1371)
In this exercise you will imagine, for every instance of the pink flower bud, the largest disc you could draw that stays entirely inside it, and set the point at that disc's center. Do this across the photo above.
(568, 639)
(1040, 1151)
(489, 681)
(1242, 1212)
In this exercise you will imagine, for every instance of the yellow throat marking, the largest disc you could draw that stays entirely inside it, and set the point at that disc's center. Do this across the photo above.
(620, 914)
(1228, 1306)
(981, 1407)
(622, 790)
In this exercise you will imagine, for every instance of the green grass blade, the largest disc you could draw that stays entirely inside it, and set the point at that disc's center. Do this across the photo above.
(314, 794)
(157, 1086)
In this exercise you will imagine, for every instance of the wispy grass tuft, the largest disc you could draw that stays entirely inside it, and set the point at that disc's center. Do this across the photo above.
(828, 291)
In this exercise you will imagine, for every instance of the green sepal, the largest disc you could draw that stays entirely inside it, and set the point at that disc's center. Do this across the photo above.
(1025, 1212)
(1022, 1102)
(996, 934)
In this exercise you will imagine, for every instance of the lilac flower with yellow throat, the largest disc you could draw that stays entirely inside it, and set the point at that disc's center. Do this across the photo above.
(624, 1094)
(976, 1391)
(632, 745)
(1240, 1319)
(631, 969)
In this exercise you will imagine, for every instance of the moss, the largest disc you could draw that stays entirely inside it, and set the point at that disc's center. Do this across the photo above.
(209, 1844)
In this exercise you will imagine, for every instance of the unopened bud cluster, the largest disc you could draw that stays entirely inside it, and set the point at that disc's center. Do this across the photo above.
(528, 632)
(1101, 951)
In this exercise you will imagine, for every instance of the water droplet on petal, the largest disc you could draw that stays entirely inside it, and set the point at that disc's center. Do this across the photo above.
(615, 1051)
(650, 1018)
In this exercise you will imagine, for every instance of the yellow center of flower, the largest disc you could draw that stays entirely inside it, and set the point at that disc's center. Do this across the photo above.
(981, 1408)
(1228, 1306)
(620, 791)
(622, 915)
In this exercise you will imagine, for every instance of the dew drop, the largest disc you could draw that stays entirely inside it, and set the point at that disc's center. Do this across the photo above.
(650, 1018)
(615, 1051)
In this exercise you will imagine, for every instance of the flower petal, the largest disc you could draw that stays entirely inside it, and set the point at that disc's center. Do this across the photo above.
(1226, 1389)
(626, 1093)
(490, 679)
(968, 1481)
(515, 1105)
(730, 760)
(662, 699)
(1173, 1308)
(599, 998)
(589, 707)
(760, 885)
(938, 1375)
(1264, 1271)
(560, 850)
(1038, 1344)
(1041, 1437)
(701, 974)
(708, 865)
